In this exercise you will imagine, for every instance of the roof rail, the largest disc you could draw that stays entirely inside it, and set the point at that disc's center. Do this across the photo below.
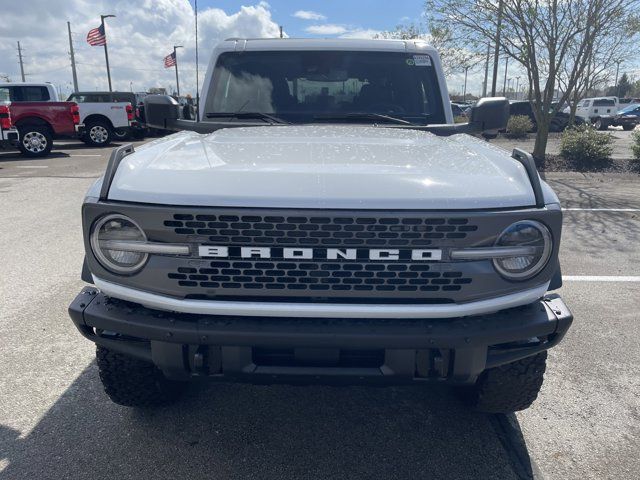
(112, 167)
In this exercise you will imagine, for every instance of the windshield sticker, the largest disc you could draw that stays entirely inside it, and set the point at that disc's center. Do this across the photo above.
(421, 60)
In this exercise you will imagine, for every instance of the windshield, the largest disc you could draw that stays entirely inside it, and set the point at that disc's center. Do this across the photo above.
(303, 86)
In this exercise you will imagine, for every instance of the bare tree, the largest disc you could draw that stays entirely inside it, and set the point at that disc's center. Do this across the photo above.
(547, 37)
(454, 58)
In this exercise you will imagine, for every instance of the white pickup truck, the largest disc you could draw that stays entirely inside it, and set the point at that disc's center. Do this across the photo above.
(104, 117)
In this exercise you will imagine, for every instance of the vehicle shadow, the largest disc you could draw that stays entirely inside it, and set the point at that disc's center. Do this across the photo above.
(15, 156)
(588, 233)
(245, 431)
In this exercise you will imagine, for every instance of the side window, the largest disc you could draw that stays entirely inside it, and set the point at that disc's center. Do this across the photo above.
(32, 94)
(585, 104)
(5, 96)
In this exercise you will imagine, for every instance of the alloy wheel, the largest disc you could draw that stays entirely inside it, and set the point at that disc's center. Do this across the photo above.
(98, 134)
(34, 142)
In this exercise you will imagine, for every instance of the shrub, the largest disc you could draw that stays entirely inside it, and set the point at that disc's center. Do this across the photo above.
(635, 146)
(584, 145)
(519, 126)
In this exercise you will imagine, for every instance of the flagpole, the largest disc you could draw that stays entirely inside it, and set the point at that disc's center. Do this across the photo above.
(106, 52)
(175, 58)
(197, 73)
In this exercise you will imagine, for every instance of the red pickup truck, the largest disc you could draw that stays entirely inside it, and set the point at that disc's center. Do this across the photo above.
(38, 123)
(8, 133)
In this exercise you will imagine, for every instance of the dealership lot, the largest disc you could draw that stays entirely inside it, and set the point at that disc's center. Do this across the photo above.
(55, 421)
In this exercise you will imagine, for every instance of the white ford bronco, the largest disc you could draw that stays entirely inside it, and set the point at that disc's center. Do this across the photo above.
(323, 221)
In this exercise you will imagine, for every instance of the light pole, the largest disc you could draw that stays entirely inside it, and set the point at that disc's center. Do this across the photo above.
(106, 52)
(464, 90)
(517, 86)
(175, 62)
(508, 86)
(506, 69)
(496, 52)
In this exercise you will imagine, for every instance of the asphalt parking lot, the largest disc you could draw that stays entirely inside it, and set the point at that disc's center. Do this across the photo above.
(56, 422)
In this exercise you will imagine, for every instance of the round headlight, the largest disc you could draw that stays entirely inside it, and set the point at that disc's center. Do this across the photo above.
(105, 237)
(526, 233)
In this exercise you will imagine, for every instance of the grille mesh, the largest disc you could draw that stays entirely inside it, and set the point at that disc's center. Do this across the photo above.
(319, 276)
(365, 231)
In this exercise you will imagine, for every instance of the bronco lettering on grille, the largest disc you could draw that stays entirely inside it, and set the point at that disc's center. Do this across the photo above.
(295, 253)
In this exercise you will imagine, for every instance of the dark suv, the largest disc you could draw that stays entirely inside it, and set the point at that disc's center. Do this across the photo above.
(558, 123)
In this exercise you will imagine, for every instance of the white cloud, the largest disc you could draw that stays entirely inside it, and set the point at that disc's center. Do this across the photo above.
(327, 29)
(141, 35)
(309, 15)
(361, 33)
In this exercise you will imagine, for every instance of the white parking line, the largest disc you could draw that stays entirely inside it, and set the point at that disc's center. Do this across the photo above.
(32, 166)
(88, 155)
(601, 209)
(601, 278)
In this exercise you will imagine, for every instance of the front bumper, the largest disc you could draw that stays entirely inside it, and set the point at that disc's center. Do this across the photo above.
(308, 350)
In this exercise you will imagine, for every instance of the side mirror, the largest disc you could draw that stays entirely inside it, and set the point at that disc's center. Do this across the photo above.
(161, 111)
(489, 115)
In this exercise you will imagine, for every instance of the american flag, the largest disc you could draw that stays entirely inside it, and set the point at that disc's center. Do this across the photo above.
(170, 60)
(96, 37)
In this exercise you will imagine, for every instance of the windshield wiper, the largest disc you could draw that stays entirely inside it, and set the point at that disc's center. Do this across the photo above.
(362, 116)
(248, 115)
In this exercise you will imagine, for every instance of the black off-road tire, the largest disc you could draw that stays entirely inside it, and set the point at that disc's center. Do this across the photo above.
(628, 128)
(509, 388)
(35, 141)
(132, 382)
(599, 124)
(120, 134)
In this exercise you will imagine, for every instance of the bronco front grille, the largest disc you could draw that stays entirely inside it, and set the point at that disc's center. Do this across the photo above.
(321, 230)
(315, 277)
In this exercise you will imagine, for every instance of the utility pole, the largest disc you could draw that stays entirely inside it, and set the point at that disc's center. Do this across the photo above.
(281, 34)
(21, 63)
(73, 60)
(506, 69)
(175, 58)
(517, 85)
(486, 70)
(106, 52)
(464, 90)
(618, 62)
(496, 52)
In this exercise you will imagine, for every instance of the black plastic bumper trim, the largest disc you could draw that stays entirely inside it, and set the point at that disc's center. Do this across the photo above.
(477, 342)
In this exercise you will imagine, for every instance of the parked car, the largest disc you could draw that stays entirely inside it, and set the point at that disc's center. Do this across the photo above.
(38, 123)
(558, 123)
(627, 118)
(324, 237)
(8, 132)
(597, 111)
(107, 115)
(28, 92)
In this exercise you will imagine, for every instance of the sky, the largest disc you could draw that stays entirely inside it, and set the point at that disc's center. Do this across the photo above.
(144, 31)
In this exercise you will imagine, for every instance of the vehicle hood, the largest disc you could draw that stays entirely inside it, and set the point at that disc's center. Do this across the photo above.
(317, 166)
